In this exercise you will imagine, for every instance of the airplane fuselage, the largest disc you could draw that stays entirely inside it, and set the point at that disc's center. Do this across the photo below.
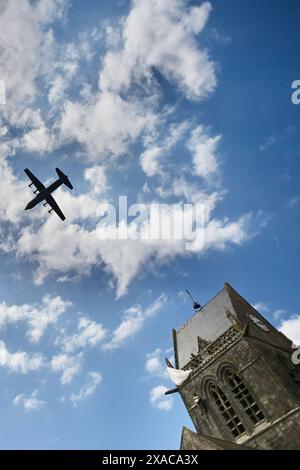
(44, 193)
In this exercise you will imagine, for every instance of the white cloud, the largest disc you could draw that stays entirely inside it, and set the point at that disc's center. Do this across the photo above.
(20, 361)
(155, 364)
(262, 307)
(151, 158)
(277, 314)
(27, 40)
(56, 92)
(167, 41)
(70, 366)
(132, 322)
(39, 140)
(159, 400)
(13, 198)
(97, 177)
(204, 150)
(43, 67)
(269, 142)
(31, 403)
(219, 234)
(94, 378)
(291, 328)
(89, 334)
(84, 249)
(106, 123)
(191, 193)
(37, 317)
(156, 368)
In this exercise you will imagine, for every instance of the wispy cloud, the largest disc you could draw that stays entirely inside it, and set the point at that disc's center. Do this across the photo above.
(265, 309)
(20, 361)
(69, 366)
(38, 316)
(269, 142)
(156, 369)
(155, 156)
(133, 321)
(262, 307)
(277, 137)
(204, 148)
(155, 365)
(293, 201)
(93, 380)
(288, 324)
(159, 400)
(31, 403)
(89, 334)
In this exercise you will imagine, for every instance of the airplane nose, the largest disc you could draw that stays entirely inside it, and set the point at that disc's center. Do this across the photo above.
(30, 205)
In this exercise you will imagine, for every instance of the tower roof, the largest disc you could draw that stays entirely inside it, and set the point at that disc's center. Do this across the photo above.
(209, 323)
(213, 320)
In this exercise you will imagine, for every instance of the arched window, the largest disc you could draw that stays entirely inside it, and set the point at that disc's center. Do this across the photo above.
(225, 408)
(244, 397)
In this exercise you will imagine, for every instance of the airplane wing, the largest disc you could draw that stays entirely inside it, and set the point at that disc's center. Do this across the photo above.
(39, 186)
(51, 201)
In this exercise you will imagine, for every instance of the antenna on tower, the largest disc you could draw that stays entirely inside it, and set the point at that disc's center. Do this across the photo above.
(196, 305)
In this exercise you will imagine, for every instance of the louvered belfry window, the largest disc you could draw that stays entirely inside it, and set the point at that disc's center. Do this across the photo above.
(244, 397)
(230, 416)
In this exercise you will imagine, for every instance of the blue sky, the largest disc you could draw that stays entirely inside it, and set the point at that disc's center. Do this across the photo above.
(168, 102)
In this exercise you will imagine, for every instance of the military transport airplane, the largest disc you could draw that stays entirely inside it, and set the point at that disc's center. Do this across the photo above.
(45, 193)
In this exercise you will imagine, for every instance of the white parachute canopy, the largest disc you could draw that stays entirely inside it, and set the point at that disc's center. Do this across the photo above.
(178, 376)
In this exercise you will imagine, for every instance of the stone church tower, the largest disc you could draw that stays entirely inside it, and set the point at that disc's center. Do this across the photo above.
(243, 390)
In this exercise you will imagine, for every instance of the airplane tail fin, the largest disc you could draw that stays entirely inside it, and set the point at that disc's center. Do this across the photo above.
(64, 178)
